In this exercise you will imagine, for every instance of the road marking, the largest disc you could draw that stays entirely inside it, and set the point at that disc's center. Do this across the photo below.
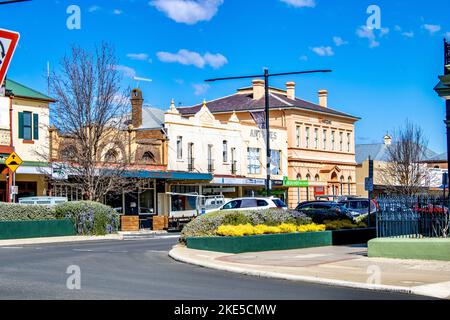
(11, 247)
(83, 250)
(310, 256)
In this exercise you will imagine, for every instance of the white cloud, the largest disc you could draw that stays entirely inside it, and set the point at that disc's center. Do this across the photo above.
(432, 28)
(368, 33)
(94, 9)
(139, 57)
(300, 3)
(323, 51)
(186, 57)
(127, 71)
(304, 58)
(200, 89)
(409, 34)
(188, 11)
(179, 81)
(338, 41)
(117, 12)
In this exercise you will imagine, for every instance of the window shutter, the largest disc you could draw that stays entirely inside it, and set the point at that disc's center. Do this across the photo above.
(35, 126)
(20, 125)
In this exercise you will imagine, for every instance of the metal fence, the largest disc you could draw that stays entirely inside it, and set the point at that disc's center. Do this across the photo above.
(413, 217)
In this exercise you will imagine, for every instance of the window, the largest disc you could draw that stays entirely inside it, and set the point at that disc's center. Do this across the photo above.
(111, 156)
(233, 161)
(275, 162)
(225, 151)
(179, 148)
(262, 203)
(307, 137)
(341, 141)
(248, 203)
(27, 126)
(210, 159)
(148, 157)
(298, 136)
(333, 140)
(325, 139)
(316, 138)
(190, 157)
(68, 153)
(253, 157)
(236, 204)
(349, 142)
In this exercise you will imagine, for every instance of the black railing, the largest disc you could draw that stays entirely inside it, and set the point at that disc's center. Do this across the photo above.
(191, 164)
(234, 167)
(413, 217)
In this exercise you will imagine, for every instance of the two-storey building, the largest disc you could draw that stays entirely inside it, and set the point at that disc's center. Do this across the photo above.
(24, 123)
(320, 140)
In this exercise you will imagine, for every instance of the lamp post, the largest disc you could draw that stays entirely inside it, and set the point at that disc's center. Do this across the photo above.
(266, 76)
(443, 90)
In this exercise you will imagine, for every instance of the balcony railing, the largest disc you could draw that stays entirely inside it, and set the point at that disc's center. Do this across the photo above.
(210, 166)
(191, 164)
(234, 168)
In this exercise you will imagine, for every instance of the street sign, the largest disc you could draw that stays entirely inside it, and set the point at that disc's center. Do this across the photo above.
(8, 44)
(13, 162)
(368, 184)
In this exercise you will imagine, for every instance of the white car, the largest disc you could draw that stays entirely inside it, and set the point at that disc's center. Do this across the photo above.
(247, 204)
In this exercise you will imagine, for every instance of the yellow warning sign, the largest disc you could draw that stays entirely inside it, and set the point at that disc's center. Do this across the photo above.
(13, 162)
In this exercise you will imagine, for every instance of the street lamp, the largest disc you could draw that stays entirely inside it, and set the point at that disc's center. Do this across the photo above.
(443, 90)
(266, 76)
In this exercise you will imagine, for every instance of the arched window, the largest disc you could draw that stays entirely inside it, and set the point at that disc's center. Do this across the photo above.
(342, 180)
(111, 156)
(148, 157)
(349, 185)
(317, 177)
(299, 176)
(308, 177)
(68, 153)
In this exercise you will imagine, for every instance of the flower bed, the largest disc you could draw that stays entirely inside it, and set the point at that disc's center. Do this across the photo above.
(249, 230)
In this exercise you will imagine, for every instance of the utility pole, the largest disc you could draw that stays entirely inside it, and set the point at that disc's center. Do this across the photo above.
(267, 77)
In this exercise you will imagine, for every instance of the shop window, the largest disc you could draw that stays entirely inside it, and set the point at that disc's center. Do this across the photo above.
(254, 163)
(275, 164)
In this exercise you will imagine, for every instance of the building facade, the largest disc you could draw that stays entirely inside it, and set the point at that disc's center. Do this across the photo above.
(24, 123)
(320, 140)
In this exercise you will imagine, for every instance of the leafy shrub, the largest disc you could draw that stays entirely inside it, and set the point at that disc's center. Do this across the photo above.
(343, 224)
(248, 229)
(89, 218)
(20, 212)
(207, 225)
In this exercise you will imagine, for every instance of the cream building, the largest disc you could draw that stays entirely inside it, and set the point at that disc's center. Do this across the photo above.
(30, 123)
(320, 140)
(232, 151)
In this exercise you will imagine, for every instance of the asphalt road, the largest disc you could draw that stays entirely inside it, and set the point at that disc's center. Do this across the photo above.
(141, 269)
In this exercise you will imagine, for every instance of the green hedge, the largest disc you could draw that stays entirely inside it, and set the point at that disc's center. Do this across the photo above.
(19, 212)
(88, 218)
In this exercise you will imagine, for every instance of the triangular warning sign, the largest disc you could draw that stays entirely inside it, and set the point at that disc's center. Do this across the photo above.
(8, 44)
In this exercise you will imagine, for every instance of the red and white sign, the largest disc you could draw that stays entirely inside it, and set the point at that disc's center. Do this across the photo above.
(8, 44)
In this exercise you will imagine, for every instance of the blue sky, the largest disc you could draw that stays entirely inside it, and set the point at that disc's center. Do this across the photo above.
(383, 76)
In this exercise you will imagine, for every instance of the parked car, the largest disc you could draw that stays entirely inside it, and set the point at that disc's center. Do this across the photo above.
(320, 211)
(247, 204)
(43, 200)
(359, 206)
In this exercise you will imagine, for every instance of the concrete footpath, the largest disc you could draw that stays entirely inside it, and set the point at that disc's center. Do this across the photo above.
(346, 266)
(119, 236)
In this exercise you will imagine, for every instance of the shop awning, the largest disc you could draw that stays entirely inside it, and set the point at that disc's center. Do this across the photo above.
(169, 175)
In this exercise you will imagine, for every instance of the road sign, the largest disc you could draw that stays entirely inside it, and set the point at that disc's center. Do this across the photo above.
(13, 162)
(368, 184)
(8, 44)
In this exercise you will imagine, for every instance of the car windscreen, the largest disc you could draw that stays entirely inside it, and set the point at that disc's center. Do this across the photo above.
(279, 203)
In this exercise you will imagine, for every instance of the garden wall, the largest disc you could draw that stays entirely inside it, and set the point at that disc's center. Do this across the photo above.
(36, 229)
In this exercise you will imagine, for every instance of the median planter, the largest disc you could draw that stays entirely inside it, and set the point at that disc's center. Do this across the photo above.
(269, 242)
(36, 229)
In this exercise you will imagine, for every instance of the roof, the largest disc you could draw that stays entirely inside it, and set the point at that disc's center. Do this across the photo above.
(243, 101)
(152, 118)
(439, 158)
(378, 152)
(19, 90)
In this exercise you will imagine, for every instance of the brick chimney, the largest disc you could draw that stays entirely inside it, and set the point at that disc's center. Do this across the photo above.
(323, 98)
(258, 89)
(136, 107)
(290, 89)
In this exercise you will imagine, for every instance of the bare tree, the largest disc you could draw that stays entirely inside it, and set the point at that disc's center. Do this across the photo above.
(404, 171)
(90, 117)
